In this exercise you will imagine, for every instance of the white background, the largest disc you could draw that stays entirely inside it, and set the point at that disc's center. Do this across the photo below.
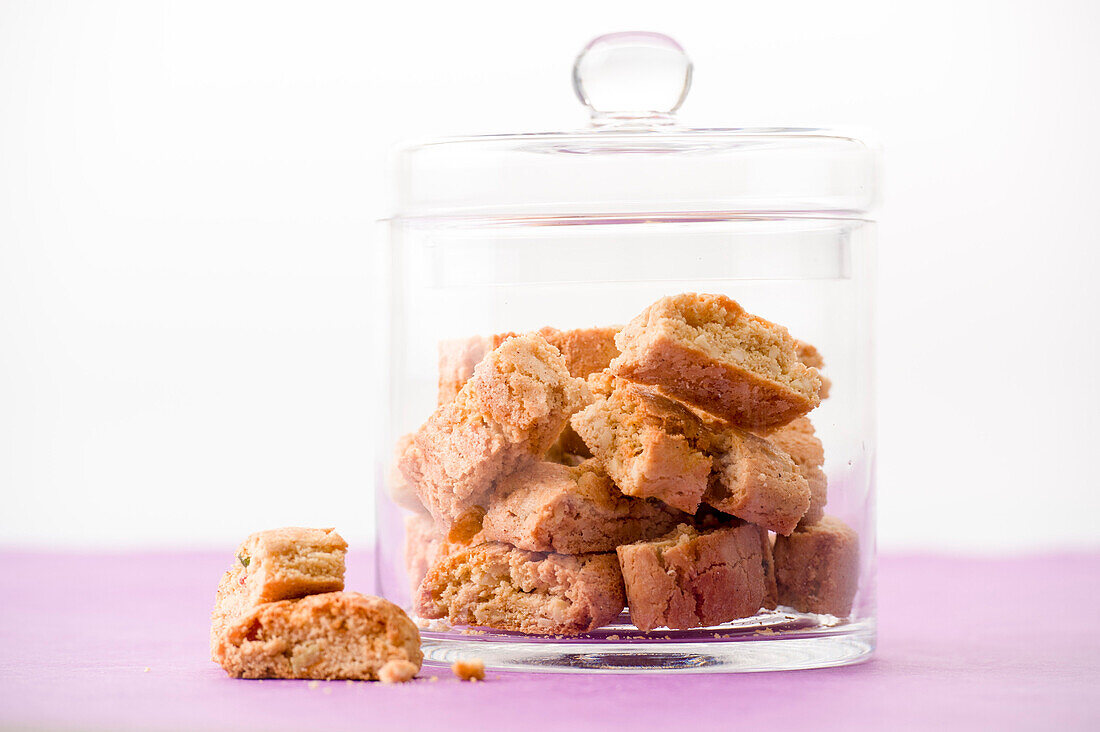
(187, 193)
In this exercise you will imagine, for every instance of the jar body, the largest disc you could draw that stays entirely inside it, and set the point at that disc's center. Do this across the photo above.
(451, 279)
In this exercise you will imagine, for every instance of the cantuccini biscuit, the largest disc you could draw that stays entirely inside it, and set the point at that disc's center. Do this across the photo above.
(495, 585)
(554, 508)
(335, 635)
(651, 446)
(817, 568)
(278, 564)
(799, 440)
(757, 482)
(656, 447)
(707, 351)
(505, 417)
(692, 579)
(707, 519)
(585, 350)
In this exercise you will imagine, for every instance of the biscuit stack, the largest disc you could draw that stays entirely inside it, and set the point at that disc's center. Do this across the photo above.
(281, 612)
(566, 474)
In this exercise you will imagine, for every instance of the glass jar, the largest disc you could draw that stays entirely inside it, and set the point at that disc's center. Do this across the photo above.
(569, 236)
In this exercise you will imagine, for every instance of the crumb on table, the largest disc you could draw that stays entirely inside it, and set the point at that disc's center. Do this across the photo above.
(471, 670)
(397, 672)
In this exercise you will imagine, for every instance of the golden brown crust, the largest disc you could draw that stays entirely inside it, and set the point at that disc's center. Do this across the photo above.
(817, 568)
(707, 351)
(554, 508)
(692, 579)
(336, 635)
(494, 585)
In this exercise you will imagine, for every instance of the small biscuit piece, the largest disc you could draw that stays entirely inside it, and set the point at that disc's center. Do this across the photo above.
(398, 672)
(810, 356)
(798, 440)
(506, 416)
(469, 669)
(756, 482)
(651, 446)
(692, 579)
(554, 508)
(495, 585)
(278, 564)
(707, 351)
(336, 635)
(585, 350)
(817, 568)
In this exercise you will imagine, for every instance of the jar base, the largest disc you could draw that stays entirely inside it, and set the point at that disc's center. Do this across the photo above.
(776, 641)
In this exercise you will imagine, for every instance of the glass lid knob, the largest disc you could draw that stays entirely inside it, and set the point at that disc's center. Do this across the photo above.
(632, 76)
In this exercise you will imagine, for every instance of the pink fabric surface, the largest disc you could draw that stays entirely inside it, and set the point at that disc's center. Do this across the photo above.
(964, 644)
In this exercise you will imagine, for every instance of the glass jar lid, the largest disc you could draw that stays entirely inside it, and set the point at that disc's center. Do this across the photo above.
(635, 158)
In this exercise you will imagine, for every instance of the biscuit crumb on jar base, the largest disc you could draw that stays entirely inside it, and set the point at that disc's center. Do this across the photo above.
(469, 670)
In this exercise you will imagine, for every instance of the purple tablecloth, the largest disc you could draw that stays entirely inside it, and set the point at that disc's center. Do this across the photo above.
(119, 642)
